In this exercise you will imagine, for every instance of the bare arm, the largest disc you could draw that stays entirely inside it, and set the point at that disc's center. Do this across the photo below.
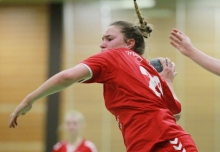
(55, 84)
(168, 75)
(182, 42)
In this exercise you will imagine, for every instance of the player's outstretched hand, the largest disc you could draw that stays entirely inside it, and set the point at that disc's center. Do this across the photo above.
(180, 41)
(22, 109)
(168, 72)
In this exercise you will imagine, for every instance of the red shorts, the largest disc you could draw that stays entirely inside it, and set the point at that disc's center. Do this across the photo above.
(180, 144)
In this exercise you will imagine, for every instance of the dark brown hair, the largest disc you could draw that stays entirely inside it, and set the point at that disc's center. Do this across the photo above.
(138, 33)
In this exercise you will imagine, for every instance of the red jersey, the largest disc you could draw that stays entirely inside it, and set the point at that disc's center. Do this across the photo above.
(137, 96)
(85, 146)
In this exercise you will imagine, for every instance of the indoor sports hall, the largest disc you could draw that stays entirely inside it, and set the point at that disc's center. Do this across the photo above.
(39, 38)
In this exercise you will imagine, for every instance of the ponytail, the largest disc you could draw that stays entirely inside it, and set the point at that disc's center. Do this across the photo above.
(138, 33)
(144, 28)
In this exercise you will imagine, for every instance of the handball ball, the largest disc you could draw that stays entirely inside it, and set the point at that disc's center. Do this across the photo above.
(156, 64)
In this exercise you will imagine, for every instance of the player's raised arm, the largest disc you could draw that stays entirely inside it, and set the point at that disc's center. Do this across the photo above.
(55, 84)
(183, 43)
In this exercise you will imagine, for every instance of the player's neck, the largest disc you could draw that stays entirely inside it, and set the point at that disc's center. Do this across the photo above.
(75, 140)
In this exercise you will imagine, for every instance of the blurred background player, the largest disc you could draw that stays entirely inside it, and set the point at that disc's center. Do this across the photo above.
(183, 43)
(74, 124)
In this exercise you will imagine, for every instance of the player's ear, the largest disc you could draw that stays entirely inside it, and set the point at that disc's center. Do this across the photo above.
(130, 43)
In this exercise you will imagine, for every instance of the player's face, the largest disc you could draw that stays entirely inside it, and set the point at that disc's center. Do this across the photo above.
(72, 125)
(113, 38)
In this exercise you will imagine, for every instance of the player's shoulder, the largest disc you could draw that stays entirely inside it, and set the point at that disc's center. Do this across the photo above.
(58, 145)
(122, 50)
(90, 145)
(116, 50)
(105, 54)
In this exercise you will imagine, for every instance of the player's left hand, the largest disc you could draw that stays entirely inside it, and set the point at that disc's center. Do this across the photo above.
(168, 72)
(22, 109)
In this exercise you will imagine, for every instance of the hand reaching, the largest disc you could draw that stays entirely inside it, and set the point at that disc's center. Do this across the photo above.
(22, 109)
(180, 41)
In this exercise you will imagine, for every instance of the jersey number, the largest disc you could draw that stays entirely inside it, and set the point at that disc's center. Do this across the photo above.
(154, 82)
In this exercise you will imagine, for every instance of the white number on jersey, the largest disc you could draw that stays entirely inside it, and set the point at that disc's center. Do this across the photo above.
(153, 82)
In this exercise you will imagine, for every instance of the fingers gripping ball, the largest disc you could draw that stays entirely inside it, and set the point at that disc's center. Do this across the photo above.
(156, 64)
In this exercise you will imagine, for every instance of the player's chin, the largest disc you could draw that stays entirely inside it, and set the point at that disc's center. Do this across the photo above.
(104, 49)
(71, 133)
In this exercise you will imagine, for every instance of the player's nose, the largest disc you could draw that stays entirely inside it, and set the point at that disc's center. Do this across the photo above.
(103, 45)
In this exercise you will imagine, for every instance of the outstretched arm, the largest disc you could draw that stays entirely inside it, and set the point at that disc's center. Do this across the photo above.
(55, 84)
(182, 42)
